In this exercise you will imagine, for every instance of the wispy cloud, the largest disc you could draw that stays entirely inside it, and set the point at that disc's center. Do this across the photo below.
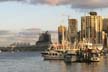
(82, 4)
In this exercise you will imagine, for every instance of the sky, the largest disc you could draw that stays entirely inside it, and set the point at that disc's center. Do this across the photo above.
(45, 14)
(16, 15)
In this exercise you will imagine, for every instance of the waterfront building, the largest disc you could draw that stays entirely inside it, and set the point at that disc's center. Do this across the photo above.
(105, 29)
(91, 27)
(72, 29)
(105, 25)
(16, 44)
(79, 35)
(104, 39)
(61, 33)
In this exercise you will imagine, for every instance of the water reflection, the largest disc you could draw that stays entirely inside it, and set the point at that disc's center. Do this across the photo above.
(33, 62)
(61, 66)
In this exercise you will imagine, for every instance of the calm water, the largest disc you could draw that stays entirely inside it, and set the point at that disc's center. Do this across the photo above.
(33, 62)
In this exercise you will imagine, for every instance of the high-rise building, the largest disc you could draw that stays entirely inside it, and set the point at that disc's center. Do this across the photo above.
(104, 39)
(61, 33)
(105, 25)
(72, 29)
(91, 27)
(105, 29)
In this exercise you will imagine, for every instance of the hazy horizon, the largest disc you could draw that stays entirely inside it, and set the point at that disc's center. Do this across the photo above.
(28, 35)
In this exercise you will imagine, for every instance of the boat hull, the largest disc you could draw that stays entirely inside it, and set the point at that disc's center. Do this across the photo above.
(69, 59)
(52, 55)
(95, 59)
(48, 57)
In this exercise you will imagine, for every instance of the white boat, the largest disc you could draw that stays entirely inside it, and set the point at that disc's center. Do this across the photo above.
(56, 50)
(95, 58)
(53, 55)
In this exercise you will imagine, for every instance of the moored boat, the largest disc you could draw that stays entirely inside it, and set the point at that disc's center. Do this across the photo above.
(69, 57)
(88, 54)
(53, 54)
(95, 58)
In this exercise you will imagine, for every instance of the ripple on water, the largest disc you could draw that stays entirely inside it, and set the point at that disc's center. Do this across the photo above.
(33, 62)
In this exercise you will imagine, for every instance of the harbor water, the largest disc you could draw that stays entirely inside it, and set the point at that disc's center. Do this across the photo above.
(33, 62)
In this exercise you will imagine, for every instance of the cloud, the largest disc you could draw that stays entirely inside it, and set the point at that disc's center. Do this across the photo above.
(81, 4)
